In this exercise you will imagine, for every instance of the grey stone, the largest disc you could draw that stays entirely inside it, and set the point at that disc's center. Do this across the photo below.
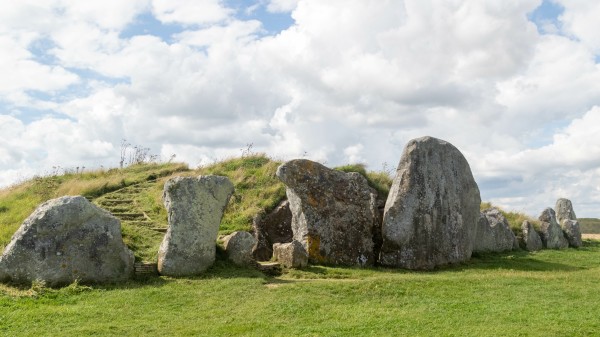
(275, 227)
(572, 232)
(64, 240)
(291, 254)
(333, 213)
(564, 210)
(531, 239)
(551, 233)
(238, 246)
(195, 206)
(432, 210)
(565, 216)
(493, 233)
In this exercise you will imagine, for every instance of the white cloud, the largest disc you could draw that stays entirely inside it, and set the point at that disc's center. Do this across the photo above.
(282, 6)
(580, 19)
(350, 81)
(190, 12)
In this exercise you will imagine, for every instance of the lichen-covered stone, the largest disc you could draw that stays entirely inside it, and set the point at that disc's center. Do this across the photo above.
(564, 210)
(531, 239)
(572, 232)
(432, 210)
(493, 233)
(64, 240)
(565, 216)
(195, 207)
(333, 213)
(238, 246)
(275, 227)
(291, 254)
(550, 231)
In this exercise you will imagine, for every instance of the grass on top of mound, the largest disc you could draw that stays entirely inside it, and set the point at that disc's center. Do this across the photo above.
(19, 201)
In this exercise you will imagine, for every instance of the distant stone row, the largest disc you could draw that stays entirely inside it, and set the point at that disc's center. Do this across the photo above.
(430, 218)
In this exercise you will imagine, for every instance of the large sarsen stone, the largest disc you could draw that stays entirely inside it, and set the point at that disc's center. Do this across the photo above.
(566, 218)
(551, 233)
(433, 207)
(64, 240)
(333, 213)
(195, 207)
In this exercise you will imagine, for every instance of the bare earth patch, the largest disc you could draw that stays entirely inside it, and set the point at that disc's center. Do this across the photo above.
(591, 236)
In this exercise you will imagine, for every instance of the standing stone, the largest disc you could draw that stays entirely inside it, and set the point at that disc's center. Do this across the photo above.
(333, 212)
(195, 207)
(238, 246)
(531, 239)
(432, 210)
(564, 210)
(493, 233)
(551, 233)
(565, 215)
(291, 254)
(64, 240)
(572, 232)
(275, 227)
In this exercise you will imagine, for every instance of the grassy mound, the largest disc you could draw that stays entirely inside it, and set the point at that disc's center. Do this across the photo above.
(134, 194)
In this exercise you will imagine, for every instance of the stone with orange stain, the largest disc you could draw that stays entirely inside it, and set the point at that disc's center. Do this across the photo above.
(334, 213)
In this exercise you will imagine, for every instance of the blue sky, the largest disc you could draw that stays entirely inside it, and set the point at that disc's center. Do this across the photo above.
(515, 86)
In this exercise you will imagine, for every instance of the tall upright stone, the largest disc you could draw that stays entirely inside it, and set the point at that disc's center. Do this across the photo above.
(564, 210)
(432, 210)
(64, 240)
(195, 206)
(551, 233)
(333, 212)
(565, 215)
(493, 233)
(531, 239)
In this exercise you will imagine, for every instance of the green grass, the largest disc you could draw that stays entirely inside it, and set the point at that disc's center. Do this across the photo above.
(589, 225)
(548, 293)
(18, 202)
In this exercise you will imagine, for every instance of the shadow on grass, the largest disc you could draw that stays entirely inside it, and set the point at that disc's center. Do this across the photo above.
(516, 260)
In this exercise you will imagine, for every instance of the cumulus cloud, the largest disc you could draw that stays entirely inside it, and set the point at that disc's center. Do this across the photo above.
(196, 12)
(349, 81)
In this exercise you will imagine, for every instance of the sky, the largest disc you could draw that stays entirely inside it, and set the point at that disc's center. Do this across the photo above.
(513, 84)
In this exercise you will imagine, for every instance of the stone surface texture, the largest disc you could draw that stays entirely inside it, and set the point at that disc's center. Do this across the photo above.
(291, 254)
(333, 213)
(238, 246)
(572, 232)
(271, 228)
(550, 231)
(565, 216)
(493, 233)
(64, 240)
(195, 207)
(531, 239)
(432, 210)
(564, 210)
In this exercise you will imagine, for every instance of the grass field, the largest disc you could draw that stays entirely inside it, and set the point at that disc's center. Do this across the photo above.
(549, 293)
(589, 225)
